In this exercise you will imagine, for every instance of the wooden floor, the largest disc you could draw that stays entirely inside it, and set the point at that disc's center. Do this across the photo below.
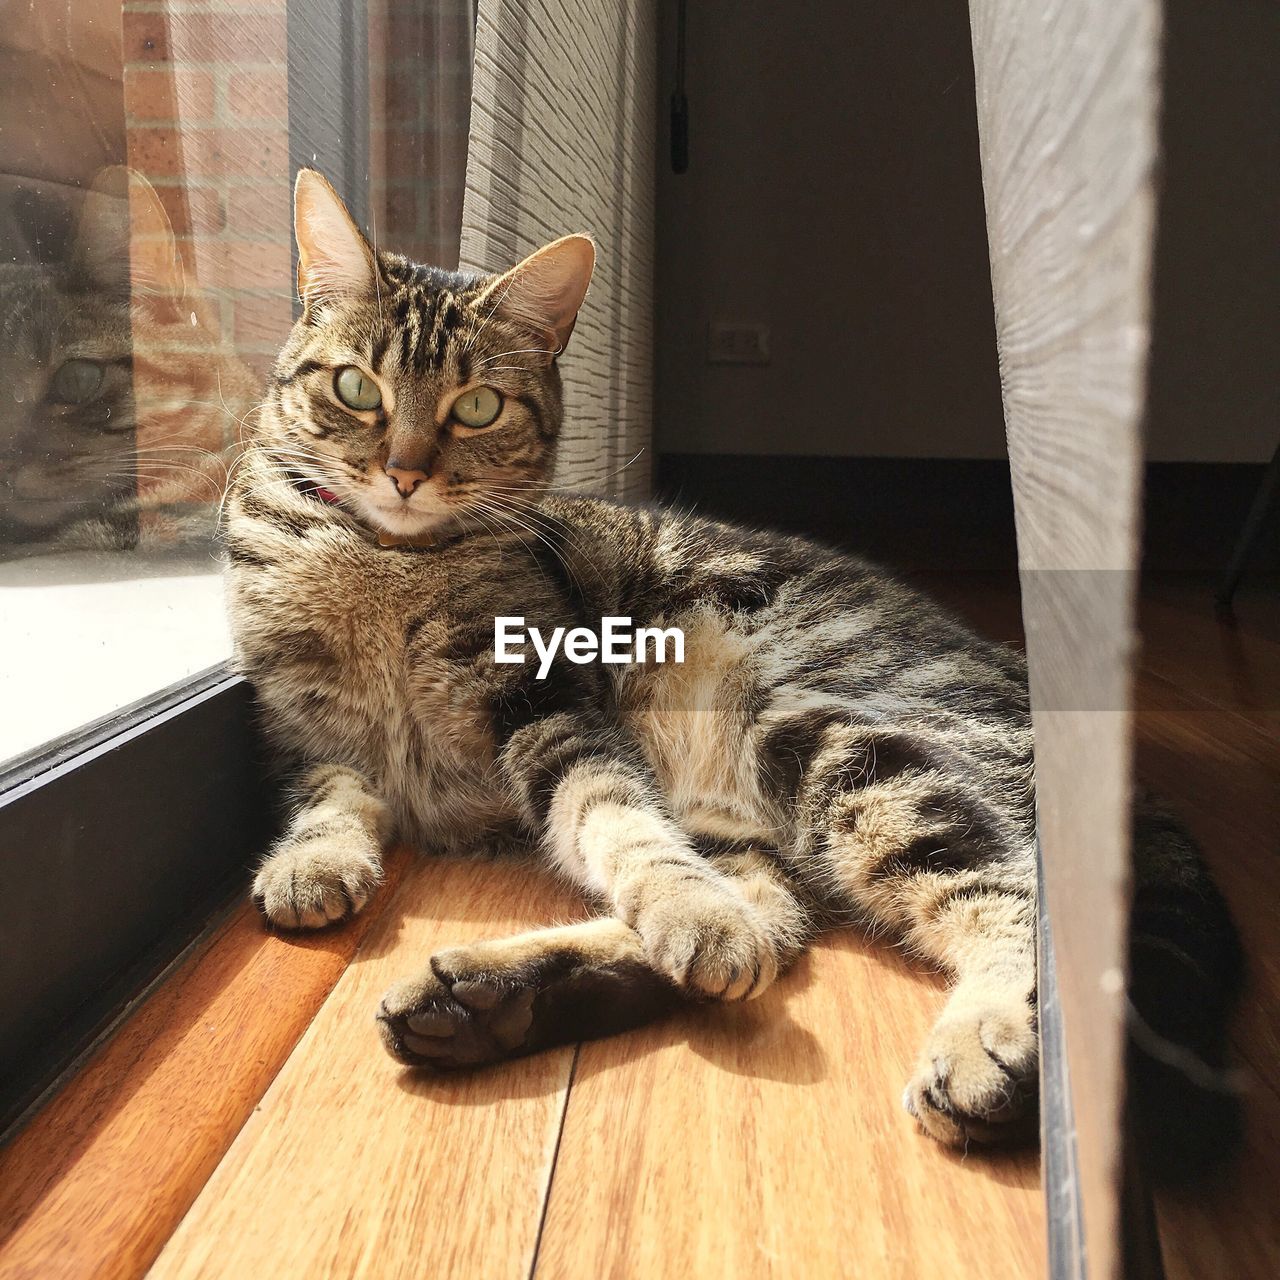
(1208, 740)
(245, 1121)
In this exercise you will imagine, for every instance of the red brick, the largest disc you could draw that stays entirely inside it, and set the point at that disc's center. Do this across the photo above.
(432, 154)
(259, 363)
(394, 98)
(401, 211)
(193, 209)
(258, 95)
(281, 5)
(431, 34)
(240, 39)
(250, 264)
(176, 153)
(275, 5)
(261, 324)
(146, 38)
(263, 210)
(156, 152)
(168, 93)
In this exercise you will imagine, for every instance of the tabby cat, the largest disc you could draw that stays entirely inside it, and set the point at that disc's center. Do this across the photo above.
(833, 749)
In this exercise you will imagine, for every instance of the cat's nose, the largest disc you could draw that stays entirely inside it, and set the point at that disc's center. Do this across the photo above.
(405, 479)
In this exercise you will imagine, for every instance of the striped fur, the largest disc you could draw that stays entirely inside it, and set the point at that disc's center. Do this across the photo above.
(835, 748)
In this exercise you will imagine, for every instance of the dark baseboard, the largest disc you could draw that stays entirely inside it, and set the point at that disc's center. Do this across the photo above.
(955, 514)
(911, 513)
(124, 840)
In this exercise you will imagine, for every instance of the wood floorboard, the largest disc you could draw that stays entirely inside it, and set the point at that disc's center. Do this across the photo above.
(1207, 699)
(352, 1166)
(768, 1140)
(247, 1114)
(1222, 774)
(95, 1184)
(1229, 666)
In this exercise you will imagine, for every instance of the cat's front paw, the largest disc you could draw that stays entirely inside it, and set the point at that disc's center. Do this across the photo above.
(310, 883)
(978, 1076)
(709, 941)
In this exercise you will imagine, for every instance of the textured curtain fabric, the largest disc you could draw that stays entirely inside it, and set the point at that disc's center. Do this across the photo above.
(1068, 100)
(562, 135)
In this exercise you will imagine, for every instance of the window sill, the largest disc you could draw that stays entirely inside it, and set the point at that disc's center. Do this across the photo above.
(87, 634)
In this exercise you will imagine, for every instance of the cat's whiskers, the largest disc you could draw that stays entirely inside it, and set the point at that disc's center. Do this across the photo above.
(493, 533)
(548, 487)
(503, 517)
(242, 421)
(531, 511)
(518, 351)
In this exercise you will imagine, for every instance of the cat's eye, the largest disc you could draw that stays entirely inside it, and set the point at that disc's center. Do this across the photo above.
(356, 389)
(76, 382)
(478, 407)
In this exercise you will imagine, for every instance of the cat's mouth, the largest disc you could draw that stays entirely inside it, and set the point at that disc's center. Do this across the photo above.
(426, 513)
(423, 512)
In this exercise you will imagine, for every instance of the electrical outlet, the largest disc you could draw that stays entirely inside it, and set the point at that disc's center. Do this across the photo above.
(737, 343)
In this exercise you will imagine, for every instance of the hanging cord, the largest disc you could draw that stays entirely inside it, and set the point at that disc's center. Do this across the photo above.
(1228, 1080)
(679, 103)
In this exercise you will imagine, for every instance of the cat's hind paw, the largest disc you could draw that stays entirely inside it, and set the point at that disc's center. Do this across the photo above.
(511, 996)
(710, 942)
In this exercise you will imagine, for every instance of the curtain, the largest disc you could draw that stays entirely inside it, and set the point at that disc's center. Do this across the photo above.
(561, 140)
(1067, 106)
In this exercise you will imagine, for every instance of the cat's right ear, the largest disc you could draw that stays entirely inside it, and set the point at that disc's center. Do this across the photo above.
(124, 242)
(546, 290)
(334, 258)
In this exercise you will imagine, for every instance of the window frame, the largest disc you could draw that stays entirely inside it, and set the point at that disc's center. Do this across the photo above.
(125, 838)
(108, 880)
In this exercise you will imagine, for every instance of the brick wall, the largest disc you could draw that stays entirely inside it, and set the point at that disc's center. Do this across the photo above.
(207, 110)
(207, 117)
(420, 55)
(207, 114)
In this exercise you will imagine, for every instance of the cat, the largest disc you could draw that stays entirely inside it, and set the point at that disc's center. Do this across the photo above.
(834, 748)
(113, 432)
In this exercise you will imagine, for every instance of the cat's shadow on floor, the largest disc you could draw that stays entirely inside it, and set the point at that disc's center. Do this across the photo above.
(762, 1040)
(849, 996)
(756, 1038)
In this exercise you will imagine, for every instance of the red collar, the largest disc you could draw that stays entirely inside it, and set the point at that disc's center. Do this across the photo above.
(311, 490)
(427, 542)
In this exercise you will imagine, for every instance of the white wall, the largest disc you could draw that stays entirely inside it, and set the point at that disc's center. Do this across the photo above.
(1215, 394)
(833, 193)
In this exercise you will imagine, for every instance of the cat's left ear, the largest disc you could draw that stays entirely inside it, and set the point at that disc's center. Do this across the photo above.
(546, 290)
(334, 258)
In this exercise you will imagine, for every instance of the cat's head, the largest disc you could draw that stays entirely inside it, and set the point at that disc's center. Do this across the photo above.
(420, 398)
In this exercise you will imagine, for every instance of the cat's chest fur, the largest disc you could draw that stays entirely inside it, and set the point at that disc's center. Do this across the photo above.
(354, 654)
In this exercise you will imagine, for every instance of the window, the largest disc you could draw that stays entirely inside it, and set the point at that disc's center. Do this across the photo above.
(147, 153)
(147, 200)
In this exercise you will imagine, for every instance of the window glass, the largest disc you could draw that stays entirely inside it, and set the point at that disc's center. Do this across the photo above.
(147, 152)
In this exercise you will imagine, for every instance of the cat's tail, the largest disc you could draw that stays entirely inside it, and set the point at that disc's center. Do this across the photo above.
(1186, 971)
